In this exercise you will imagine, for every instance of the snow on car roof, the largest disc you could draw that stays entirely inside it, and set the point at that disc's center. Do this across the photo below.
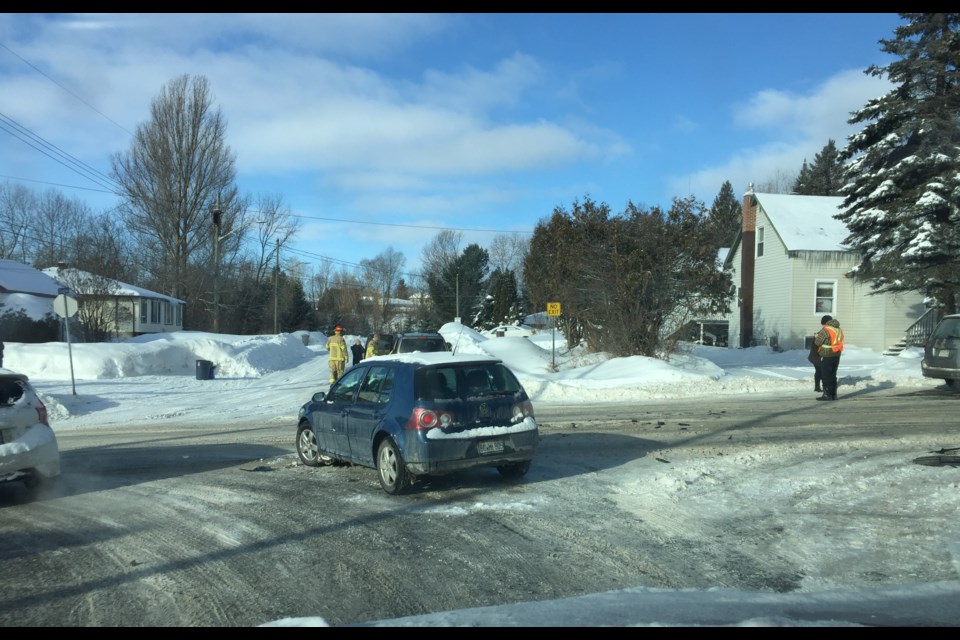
(434, 357)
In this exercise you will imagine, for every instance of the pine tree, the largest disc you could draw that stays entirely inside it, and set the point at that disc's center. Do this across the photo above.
(901, 205)
(723, 222)
(824, 177)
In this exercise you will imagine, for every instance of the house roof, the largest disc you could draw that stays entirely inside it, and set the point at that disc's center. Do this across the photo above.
(17, 277)
(119, 288)
(803, 223)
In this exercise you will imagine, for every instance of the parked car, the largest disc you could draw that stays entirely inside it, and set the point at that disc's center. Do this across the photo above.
(419, 341)
(941, 352)
(418, 415)
(28, 445)
(510, 331)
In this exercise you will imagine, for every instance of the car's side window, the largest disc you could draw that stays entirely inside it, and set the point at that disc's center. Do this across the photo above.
(372, 386)
(345, 387)
(386, 387)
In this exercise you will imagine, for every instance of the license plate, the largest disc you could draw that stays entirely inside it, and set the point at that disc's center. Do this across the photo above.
(943, 353)
(490, 446)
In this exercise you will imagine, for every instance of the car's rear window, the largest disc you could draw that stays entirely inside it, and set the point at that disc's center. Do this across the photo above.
(409, 345)
(465, 381)
(948, 328)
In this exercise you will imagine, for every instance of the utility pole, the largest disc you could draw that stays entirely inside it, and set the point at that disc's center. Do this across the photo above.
(276, 289)
(217, 213)
(457, 319)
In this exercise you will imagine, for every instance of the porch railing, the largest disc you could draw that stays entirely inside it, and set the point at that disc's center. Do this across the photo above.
(920, 330)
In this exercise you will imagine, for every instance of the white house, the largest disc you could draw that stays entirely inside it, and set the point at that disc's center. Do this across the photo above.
(124, 309)
(789, 269)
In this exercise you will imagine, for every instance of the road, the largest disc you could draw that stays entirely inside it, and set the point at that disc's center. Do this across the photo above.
(219, 525)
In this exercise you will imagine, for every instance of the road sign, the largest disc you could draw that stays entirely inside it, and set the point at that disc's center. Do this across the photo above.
(64, 306)
(553, 308)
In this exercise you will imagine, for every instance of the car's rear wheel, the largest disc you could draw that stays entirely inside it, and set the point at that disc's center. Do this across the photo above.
(515, 470)
(307, 448)
(391, 468)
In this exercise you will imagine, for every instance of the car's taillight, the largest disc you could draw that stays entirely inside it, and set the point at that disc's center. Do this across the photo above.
(42, 413)
(522, 410)
(429, 418)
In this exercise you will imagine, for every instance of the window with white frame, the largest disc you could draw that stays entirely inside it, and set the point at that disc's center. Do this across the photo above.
(179, 318)
(759, 242)
(825, 300)
(155, 311)
(144, 306)
(167, 313)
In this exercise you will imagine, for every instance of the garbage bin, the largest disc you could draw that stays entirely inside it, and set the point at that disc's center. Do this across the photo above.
(204, 370)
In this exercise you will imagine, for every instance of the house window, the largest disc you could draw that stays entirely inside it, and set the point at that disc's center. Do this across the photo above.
(143, 311)
(826, 296)
(179, 319)
(759, 242)
(155, 311)
(167, 313)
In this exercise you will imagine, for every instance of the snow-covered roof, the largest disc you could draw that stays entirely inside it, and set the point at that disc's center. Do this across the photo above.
(17, 277)
(805, 223)
(118, 288)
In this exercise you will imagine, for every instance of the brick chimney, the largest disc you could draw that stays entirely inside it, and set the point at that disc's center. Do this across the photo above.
(748, 240)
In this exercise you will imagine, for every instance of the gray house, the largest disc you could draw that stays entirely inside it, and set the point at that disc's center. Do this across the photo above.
(789, 269)
(24, 288)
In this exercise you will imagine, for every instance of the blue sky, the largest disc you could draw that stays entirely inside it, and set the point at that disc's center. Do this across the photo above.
(379, 130)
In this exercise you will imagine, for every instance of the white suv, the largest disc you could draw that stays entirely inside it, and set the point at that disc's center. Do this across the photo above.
(28, 446)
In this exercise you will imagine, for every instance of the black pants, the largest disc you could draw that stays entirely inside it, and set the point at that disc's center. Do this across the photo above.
(816, 376)
(828, 371)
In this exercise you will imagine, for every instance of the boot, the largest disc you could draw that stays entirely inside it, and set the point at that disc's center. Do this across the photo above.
(817, 388)
(827, 397)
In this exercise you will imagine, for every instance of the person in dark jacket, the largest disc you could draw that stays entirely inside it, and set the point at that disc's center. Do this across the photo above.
(814, 358)
(830, 341)
(357, 351)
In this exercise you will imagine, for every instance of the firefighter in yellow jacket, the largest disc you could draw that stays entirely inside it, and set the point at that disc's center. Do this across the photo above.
(337, 347)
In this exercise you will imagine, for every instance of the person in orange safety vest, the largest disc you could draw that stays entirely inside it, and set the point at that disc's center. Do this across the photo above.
(830, 342)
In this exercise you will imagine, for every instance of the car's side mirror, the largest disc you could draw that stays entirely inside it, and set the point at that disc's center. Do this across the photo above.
(319, 396)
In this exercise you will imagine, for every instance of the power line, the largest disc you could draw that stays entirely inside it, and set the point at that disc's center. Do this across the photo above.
(35, 141)
(26, 62)
(408, 226)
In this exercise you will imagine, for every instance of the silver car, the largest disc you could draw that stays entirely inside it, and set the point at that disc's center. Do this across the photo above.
(941, 352)
(28, 446)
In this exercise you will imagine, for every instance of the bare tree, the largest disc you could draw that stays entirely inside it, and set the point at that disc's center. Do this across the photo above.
(781, 182)
(178, 166)
(272, 230)
(507, 253)
(98, 311)
(382, 274)
(17, 204)
(440, 253)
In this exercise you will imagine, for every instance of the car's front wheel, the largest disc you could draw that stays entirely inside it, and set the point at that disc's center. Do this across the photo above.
(307, 448)
(391, 469)
(515, 470)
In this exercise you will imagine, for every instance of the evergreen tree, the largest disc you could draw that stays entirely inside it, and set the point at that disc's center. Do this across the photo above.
(901, 205)
(824, 177)
(502, 303)
(723, 222)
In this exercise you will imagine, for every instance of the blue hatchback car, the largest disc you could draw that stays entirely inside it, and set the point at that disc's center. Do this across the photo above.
(421, 414)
